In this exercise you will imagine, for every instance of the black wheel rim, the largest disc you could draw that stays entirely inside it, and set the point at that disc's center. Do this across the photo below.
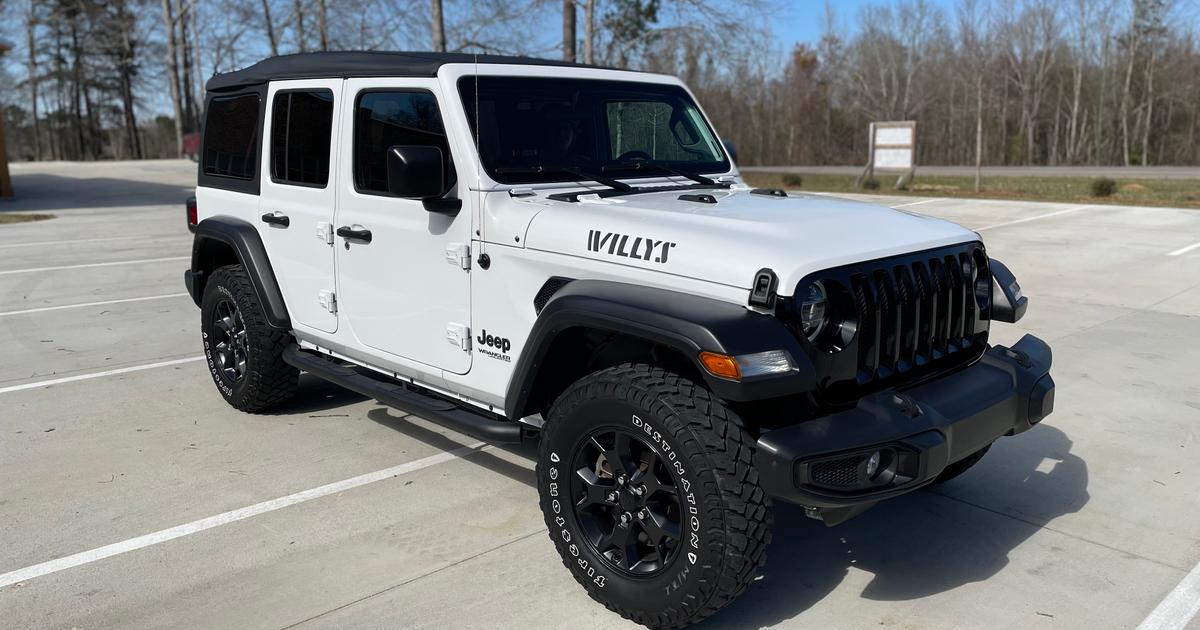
(626, 502)
(230, 349)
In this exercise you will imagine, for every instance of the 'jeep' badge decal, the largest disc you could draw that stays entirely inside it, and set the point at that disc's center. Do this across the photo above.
(625, 246)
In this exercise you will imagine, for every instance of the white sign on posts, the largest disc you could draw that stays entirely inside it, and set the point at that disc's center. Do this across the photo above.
(893, 147)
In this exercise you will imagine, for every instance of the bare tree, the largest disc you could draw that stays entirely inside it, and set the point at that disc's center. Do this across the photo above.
(298, 16)
(270, 27)
(31, 24)
(322, 26)
(589, 31)
(439, 28)
(173, 73)
(568, 41)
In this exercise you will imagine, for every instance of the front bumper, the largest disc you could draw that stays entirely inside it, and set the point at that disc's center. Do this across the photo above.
(826, 464)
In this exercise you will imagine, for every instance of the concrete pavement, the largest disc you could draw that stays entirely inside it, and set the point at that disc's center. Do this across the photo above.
(1087, 521)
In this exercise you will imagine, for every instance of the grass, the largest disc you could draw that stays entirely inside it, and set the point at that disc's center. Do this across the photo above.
(1177, 193)
(22, 218)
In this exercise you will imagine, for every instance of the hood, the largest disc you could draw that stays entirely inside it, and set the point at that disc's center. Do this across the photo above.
(731, 240)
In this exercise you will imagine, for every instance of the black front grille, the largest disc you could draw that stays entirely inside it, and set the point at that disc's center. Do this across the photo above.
(897, 320)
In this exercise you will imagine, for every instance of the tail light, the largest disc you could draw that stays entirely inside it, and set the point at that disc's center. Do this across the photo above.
(193, 214)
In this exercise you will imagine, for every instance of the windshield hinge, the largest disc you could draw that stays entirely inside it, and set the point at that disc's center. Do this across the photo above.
(521, 192)
(459, 254)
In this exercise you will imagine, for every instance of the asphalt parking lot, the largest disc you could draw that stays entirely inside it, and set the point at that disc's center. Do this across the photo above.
(131, 495)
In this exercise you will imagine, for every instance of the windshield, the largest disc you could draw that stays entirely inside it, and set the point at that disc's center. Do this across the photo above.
(531, 128)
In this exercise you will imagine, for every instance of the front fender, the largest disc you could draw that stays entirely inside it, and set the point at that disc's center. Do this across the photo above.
(686, 323)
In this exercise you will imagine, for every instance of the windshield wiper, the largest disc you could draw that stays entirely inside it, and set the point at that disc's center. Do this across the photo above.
(568, 170)
(640, 164)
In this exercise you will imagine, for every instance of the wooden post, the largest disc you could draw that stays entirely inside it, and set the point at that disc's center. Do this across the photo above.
(6, 189)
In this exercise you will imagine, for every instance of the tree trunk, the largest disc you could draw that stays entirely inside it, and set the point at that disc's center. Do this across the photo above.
(978, 130)
(77, 89)
(1125, 103)
(321, 24)
(270, 26)
(183, 13)
(569, 30)
(589, 31)
(299, 8)
(173, 74)
(1149, 108)
(126, 72)
(30, 40)
(439, 28)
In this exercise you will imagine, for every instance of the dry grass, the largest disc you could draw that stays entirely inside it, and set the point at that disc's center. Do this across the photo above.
(1178, 193)
(22, 218)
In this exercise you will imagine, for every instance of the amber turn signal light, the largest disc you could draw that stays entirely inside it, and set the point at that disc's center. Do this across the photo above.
(721, 365)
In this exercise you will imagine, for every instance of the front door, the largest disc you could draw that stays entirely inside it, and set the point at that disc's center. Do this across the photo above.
(399, 290)
(299, 192)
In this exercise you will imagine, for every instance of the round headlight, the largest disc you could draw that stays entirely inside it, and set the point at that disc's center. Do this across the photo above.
(814, 310)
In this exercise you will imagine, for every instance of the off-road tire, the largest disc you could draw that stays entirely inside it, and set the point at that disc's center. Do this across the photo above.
(711, 453)
(267, 380)
(961, 466)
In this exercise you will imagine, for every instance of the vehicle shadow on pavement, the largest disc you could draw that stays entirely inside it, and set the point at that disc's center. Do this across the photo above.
(921, 544)
(527, 450)
(316, 395)
(39, 191)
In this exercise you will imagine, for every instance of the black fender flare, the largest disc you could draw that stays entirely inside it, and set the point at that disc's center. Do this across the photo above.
(686, 323)
(243, 238)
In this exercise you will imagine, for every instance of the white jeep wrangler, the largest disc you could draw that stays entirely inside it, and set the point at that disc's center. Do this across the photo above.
(522, 249)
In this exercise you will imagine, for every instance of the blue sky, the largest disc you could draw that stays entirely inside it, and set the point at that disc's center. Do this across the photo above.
(801, 20)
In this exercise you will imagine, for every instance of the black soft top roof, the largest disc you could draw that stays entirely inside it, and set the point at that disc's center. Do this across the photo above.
(320, 65)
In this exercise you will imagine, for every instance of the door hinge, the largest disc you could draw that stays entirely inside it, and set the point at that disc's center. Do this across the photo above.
(328, 300)
(459, 335)
(459, 254)
(325, 232)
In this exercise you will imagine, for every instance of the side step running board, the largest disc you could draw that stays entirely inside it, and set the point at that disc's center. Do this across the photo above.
(397, 395)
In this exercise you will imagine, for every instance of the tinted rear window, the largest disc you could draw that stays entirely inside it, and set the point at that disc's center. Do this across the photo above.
(231, 137)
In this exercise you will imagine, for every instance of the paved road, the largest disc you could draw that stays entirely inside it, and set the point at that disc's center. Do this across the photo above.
(1087, 521)
(1116, 172)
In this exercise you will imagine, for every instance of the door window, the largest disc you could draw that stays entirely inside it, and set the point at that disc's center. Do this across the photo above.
(301, 126)
(384, 119)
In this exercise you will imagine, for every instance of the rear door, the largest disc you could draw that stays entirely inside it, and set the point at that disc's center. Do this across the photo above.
(299, 191)
(405, 292)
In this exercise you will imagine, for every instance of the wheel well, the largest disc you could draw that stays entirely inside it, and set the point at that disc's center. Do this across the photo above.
(577, 352)
(210, 254)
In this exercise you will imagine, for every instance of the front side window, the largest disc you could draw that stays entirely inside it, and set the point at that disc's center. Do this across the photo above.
(529, 127)
(301, 126)
(231, 137)
(386, 119)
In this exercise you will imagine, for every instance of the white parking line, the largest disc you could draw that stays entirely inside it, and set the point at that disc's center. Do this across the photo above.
(84, 377)
(1034, 218)
(1179, 607)
(103, 303)
(85, 240)
(103, 264)
(916, 203)
(1183, 250)
(179, 531)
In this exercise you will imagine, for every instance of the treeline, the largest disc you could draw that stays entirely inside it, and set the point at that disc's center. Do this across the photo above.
(1039, 82)
(1000, 81)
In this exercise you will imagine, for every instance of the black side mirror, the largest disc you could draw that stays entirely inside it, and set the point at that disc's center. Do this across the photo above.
(1008, 305)
(415, 172)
